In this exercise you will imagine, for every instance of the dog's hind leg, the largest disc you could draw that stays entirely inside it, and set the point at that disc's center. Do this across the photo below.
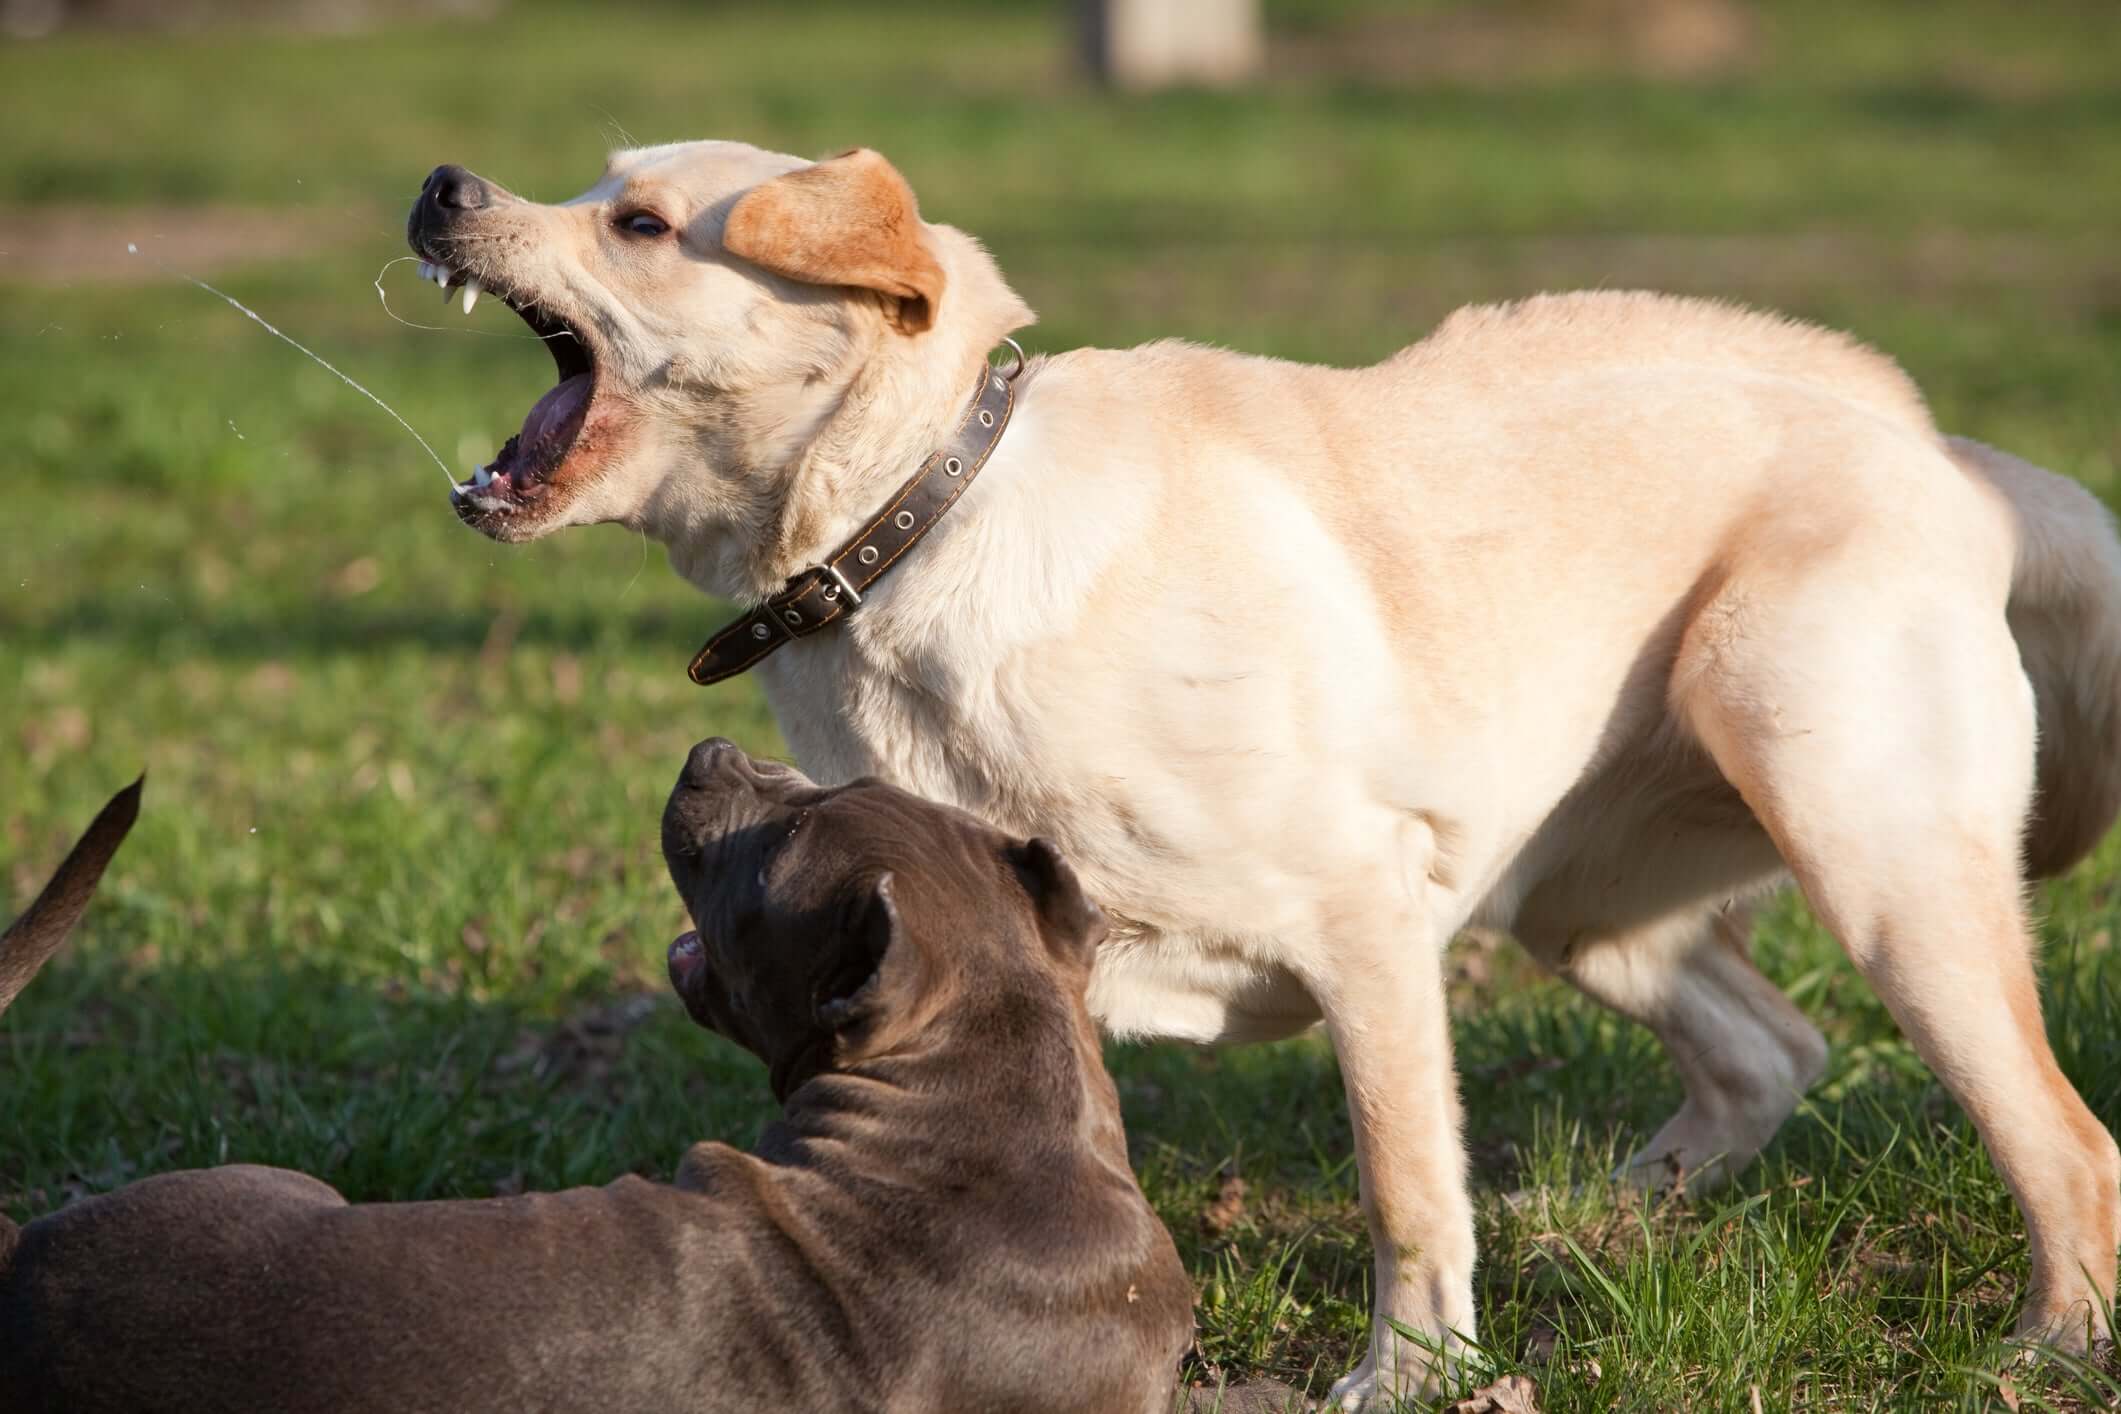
(1744, 1053)
(1878, 723)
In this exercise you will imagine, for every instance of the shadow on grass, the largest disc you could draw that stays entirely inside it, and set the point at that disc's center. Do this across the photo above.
(1872, 1244)
(115, 1070)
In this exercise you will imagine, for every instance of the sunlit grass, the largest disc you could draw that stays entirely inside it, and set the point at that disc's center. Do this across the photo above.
(394, 913)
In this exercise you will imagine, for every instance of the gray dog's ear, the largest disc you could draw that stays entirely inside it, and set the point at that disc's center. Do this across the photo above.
(849, 220)
(1073, 925)
(852, 993)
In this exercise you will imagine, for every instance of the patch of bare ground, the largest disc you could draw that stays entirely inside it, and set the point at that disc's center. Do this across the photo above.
(1610, 1236)
(1246, 1397)
(1415, 281)
(1521, 40)
(33, 19)
(582, 1051)
(1927, 264)
(59, 245)
(1284, 1220)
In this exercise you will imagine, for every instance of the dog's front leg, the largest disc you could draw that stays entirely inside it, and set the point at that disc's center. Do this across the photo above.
(1383, 1000)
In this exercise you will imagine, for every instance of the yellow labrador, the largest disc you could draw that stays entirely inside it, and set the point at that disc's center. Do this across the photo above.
(1583, 617)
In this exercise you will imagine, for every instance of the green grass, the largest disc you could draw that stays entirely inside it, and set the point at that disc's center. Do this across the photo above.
(394, 913)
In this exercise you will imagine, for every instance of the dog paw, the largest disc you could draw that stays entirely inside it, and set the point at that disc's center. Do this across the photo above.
(2072, 1328)
(1356, 1392)
(1418, 1377)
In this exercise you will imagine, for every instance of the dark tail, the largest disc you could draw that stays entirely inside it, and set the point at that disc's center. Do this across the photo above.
(31, 939)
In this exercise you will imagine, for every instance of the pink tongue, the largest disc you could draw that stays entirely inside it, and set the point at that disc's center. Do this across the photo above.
(556, 410)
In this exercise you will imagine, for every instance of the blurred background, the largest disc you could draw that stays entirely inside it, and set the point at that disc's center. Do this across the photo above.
(395, 910)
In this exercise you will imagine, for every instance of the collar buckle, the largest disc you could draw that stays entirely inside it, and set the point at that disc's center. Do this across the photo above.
(840, 585)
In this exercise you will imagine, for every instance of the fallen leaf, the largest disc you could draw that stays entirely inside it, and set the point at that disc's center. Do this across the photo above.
(357, 578)
(582, 1050)
(566, 678)
(1229, 1206)
(1512, 1394)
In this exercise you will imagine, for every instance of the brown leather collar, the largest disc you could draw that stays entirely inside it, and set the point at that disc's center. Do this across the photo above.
(820, 596)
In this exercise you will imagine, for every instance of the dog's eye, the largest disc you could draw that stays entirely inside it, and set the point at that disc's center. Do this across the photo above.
(642, 223)
(773, 851)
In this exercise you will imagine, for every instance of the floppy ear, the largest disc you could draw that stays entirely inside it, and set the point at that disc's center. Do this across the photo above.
(1073, 925)
(849, 220)
(852, 993)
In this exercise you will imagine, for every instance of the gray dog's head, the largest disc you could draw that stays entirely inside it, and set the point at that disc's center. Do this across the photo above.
(832, 926)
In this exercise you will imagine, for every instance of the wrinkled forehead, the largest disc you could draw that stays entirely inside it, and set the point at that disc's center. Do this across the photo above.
(874, 827)
(694, 174)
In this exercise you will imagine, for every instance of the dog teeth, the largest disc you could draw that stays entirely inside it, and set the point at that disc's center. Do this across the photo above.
(427, 270)
(483, 478)
(442, 276)
(471, 294)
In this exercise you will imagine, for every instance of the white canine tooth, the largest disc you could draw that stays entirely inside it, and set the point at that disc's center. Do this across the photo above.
(443, 277)
(471, 294)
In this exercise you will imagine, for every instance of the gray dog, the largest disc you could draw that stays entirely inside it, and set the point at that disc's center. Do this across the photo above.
(943, 1218)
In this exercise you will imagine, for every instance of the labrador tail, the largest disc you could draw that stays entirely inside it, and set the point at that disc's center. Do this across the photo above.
(2065, 612)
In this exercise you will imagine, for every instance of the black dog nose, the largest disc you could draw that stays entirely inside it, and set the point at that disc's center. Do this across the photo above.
(700, 765)
(452, 188)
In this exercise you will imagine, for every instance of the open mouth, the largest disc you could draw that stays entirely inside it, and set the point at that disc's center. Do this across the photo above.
(687, 956)
(688, 972)
(523, 470)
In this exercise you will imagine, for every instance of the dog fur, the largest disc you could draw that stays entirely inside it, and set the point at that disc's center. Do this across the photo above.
(1588, 617)
(943, 1217)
